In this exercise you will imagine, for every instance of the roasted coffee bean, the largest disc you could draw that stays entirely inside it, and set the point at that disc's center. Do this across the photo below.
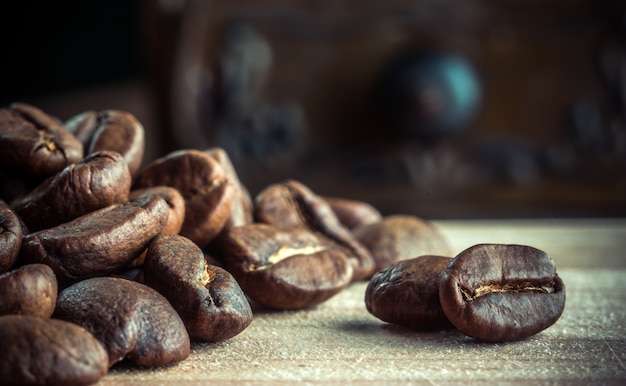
(285, 269)
(98, 243)
(498, 292)
(28, 290)
(401, 237)
(290, 205)
(11, 234)
(353, 213)
(203, 183)
(174, 200)
(241, 212)
(407, 293)
(113, 130)
(100, 180)
(207, 298)
(34, 144)
(131, 320)
(38, 351)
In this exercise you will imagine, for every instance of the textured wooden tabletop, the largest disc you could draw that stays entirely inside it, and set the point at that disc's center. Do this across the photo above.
(339, 342)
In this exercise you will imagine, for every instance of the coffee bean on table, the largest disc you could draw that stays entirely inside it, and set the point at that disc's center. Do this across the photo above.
(290, 205)
(131, 320)
(202, 182)
(500, 292)
(353, 213)
(98, 243)
(407, 293)
(38, 351)
(113, 130)
(291, 269)
(174, 200)
(400, 237)
(11, 234)
(99, 180)
(28, 290)
(33, 143)
(208, 299)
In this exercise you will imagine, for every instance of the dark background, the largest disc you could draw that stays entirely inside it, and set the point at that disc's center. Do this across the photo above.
(547, 141)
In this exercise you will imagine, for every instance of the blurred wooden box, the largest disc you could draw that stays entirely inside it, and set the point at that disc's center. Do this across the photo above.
(289, 89)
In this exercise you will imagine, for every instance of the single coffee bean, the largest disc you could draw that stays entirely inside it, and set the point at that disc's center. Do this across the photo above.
(407, 293)
(291, 269)
(498, 292)
(207, 298)
(99, 243)
(11, 234)
(100, 180)
(290, 205)
(353, 213)
(28, 290)
(174, 200)
(241, 212)
(203, 183)
(113, 130)
(38, 351)
(35, 144)
(401, 237)
(131, 320)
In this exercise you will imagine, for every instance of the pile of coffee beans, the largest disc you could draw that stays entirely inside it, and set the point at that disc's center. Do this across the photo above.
(104, 259)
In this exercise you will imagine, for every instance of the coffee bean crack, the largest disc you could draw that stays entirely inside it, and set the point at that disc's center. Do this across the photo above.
(469, 295)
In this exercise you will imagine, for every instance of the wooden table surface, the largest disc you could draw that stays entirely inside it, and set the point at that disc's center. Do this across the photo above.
(339, 342)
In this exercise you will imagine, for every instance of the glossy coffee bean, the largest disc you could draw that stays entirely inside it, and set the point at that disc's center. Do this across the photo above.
(38, 351)
(208, 299)
(11, 234)
(498, 292)
(280, 269)
(407, 293)
(112, 130)
(291, 205)
(400, 237)
(353, 213)
(100, 180)
(174, 200)
(28, 290)
(131, 320)
(241, 211)
(35, 144)
(203, 183)
(99, 243)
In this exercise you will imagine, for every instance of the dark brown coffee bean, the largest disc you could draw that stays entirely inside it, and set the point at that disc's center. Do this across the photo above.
(353, 213)
(34, 144)
(208, 299)
(497, 292)
(28, 290)
(38, 351)
(113, 130)
(203, 183)
(401, 237)
(11, 234)
(131, 320)
(100, 180)
(174, 200)
(241, 212)
(407, 293)
(98, 243)
(291, 205)
(83, 126)
(285, 269)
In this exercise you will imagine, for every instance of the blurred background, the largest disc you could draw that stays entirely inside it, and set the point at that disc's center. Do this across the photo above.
(442, 109)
